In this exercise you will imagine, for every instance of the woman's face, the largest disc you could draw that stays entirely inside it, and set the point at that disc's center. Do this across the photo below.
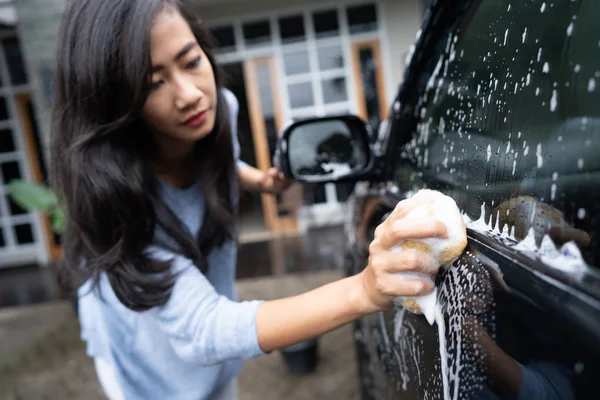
(182, 104)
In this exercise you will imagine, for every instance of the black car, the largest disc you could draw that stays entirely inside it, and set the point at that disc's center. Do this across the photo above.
(500, 110)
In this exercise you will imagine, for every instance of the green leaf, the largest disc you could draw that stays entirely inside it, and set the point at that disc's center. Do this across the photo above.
(58, 221)
(32, 196)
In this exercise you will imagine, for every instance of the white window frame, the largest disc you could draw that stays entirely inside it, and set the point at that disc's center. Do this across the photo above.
(12, 254)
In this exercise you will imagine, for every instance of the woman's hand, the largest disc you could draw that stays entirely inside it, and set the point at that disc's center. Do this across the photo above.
(379, 280)
(274, 182)
(271, 181)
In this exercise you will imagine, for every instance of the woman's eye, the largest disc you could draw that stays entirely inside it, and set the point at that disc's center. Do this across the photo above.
(156, 85)
(194, 63)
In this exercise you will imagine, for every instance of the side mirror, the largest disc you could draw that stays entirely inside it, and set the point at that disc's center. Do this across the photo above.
(326, 149)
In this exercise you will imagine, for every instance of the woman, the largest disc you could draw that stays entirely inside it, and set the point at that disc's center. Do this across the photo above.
(143, 159)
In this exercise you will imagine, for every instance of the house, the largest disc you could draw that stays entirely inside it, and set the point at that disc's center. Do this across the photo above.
(284, 60)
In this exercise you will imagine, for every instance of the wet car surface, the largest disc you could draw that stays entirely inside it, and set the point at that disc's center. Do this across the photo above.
(499, 110)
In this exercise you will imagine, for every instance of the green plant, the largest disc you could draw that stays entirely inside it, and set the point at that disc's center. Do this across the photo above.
(33, 196)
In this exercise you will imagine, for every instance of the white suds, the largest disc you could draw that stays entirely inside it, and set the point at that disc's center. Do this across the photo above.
(591, 85)
(554, 100)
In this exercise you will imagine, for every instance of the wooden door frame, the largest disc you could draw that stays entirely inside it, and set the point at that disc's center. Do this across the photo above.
(54, 250)
(273, 221)
(375, 45)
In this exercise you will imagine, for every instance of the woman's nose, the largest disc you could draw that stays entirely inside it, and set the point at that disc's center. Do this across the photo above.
(187, 94)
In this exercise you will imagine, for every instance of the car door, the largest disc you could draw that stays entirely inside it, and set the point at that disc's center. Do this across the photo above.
(499, 110)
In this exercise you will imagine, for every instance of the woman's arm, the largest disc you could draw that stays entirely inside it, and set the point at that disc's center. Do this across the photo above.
(284, 322)
(254, 180)
(281, 323)
(251, 179)
(207, 328)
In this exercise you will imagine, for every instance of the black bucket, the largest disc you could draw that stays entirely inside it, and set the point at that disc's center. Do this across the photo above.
(302, 357)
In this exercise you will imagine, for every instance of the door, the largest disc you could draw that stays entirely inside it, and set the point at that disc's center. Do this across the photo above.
(251, 219)
(39, 173)
(367, 66)
(510, 134)
(259, 120)
(266, 121)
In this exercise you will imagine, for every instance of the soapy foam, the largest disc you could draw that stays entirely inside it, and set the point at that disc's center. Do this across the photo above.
(465, 296)
(409, 357)
(481, 225)
(439, 319)
(465, 293)
(446, 211)
(567, 259)
(398, 326)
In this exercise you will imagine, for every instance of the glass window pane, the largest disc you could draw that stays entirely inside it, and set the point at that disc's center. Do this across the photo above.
(314, 193)
(334, 90)
(362, 18)
(2, 241)
(24, 234)
(7, 143)
(263, 75)
(296, 62)
(292, 29)
(301, 95)
(326, 23)
(225, 37)
(10, 170)
(257, 33)
(3, 109)
(330, 57)
(46, 75)
(344, 190)
(13, 208)
(14, 59)
(369, 83)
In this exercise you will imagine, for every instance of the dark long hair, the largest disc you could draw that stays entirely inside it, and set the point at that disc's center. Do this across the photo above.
(100, 154)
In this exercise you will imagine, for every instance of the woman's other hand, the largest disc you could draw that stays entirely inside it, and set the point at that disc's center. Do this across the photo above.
(275, 182)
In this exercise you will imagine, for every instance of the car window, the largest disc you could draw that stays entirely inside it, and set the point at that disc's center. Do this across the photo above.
(508, 121)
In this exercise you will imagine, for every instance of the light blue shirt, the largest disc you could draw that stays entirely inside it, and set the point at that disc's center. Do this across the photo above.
(191, 347)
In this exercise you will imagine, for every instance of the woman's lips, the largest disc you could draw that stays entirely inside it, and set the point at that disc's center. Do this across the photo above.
(196, 120)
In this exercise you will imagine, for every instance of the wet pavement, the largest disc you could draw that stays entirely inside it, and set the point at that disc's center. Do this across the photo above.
(54, 365)
(317, 250)
(27, 285)
(42, 357)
